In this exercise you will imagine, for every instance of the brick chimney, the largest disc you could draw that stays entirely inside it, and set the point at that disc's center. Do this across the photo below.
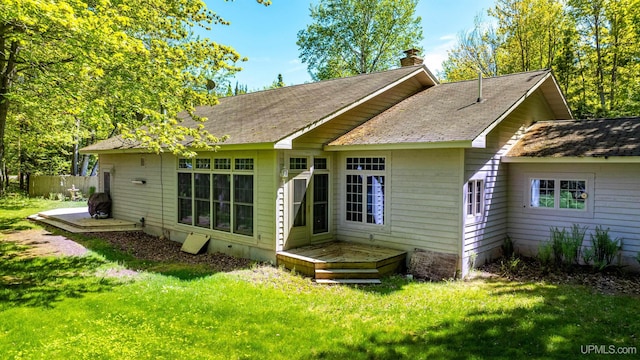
(411, 58)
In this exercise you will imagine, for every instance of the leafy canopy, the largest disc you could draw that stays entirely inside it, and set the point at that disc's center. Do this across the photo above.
(89, 69)
(350, 37)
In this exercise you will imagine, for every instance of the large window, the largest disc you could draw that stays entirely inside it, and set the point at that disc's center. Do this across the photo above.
(558, 193)
(217, 195)
(365, 190)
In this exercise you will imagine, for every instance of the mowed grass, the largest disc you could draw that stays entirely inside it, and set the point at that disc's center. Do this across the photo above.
(58, 308)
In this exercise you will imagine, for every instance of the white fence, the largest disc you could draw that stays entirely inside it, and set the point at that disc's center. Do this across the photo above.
(46, 185)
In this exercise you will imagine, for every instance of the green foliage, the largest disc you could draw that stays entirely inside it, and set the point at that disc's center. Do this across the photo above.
(604, 248)
(508, 249)
(355, 37)
(72, 75)
(545, 255)
(591, 46)
(512, 266)
(564, 246)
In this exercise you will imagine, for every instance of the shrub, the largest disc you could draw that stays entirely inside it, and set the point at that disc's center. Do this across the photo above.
(545, 255)
(604, 249)
(507, 247)
(565, 245)
(92, 189)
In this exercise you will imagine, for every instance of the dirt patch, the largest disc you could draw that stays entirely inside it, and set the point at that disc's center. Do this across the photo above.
(43, 243)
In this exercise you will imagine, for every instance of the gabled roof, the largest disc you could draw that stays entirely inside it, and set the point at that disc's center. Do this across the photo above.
(599, 138)
(451, 113)
(267, 117)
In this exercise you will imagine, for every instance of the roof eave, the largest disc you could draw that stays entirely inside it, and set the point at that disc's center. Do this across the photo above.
(571, 159)
(401, 146)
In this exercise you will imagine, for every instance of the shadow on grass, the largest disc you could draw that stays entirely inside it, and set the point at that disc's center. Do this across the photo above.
(43, 281)
(553, 322)
(13, 224)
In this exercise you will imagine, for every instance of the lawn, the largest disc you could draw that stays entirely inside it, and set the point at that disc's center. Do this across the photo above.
(58, 308)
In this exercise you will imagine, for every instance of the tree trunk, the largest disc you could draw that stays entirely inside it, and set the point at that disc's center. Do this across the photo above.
(7, 73)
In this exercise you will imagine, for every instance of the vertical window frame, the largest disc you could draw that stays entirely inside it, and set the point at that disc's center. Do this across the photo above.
(361, 190)
(216, 169)
(475, 199)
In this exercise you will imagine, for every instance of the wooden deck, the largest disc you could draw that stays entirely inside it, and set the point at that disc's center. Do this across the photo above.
(78, 220)
(343, 262)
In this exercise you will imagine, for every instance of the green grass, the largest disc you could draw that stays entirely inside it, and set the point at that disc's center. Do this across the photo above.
(15, 208)
(55, 308)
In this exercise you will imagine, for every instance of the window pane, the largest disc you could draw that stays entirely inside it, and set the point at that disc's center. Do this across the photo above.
(243, 219)
(184, 164)
(299, 202)
(470, 198)
(542, 193)
(203, 163)
(244, 164)
(202, 192)
(354, 198)
(376, 163)
(243, 204)
(572, 194)
(375, 200)
(298, 163)
(320, 203)
(222, 164)
(222, 202)
(478, 197)
(320, 163)
(184, 199)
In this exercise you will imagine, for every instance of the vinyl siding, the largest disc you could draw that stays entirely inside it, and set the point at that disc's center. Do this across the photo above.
(156, 201)
(614, 200)
(422, 201)
(483, 236)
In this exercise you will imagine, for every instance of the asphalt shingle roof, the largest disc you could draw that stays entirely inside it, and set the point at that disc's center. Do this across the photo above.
(447, 112)
(271, 115)
(580, 138)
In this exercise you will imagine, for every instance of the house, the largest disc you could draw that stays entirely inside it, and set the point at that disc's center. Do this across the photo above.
(394, 159)
(584, 172)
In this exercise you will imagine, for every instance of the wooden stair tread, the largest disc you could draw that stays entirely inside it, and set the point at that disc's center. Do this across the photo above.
(347, 271)
(348, 281)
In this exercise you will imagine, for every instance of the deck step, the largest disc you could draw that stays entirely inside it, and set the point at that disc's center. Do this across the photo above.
(347, 273)
(349, 281)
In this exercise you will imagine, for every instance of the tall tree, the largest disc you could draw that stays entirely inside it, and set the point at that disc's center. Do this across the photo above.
(96, 67)
(350, 37)
(476, 50)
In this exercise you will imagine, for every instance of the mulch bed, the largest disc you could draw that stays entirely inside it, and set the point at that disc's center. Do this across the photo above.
(147, 247)
(613, 280)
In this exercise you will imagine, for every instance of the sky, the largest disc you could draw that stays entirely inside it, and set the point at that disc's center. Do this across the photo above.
(267, 35)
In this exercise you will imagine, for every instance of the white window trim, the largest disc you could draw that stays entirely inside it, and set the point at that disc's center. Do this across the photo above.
(479, 215)
(589, 180)
(363, 225)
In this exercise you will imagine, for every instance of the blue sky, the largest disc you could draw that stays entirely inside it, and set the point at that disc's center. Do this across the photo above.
(267, 35)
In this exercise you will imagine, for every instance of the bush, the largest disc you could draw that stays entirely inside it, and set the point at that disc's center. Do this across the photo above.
(507, 247)
(545, 255)
(604, 249)
(565, 246)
